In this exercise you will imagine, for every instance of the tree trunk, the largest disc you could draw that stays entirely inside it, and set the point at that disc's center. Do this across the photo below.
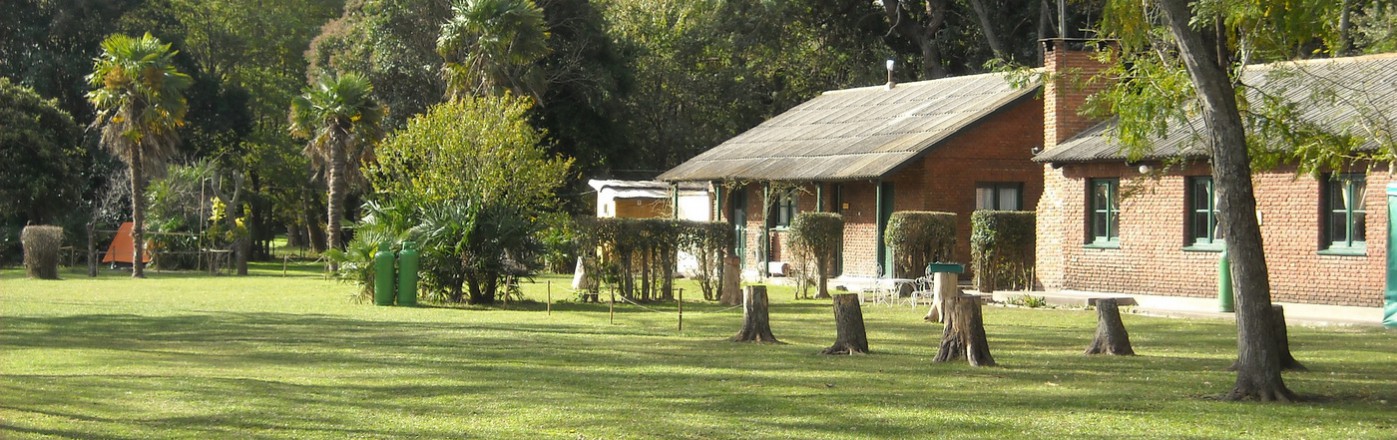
(1259, 372)
(1111, 337)
(335, 203)
(822, 270)
(923, 34)
(1288, 361)
(756, 323)
(850, 337)
(987, 27)
(92, 245)
(945, 288)
(964, 334)
(732, 282)
(138, 211)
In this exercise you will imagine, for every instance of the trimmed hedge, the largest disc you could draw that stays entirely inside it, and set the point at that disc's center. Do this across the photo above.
(1001, 249)
(918, 238)
(819, 234)
(42, 245)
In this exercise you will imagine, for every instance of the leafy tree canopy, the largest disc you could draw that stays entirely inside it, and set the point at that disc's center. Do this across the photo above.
(43, 160)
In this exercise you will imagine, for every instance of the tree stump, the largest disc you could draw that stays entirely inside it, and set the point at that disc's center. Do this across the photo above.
(731, 294)
(756, 323)
(1111, 337)
(1288, 362)
(945, 290)
(850, 337)
(964, 334)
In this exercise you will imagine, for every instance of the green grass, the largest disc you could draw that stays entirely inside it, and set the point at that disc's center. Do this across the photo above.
(266, 356)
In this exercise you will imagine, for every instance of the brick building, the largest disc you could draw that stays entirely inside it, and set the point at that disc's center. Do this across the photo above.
(1109, 224)
(953, 145)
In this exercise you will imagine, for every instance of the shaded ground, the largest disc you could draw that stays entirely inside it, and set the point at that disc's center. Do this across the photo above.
(272, 357)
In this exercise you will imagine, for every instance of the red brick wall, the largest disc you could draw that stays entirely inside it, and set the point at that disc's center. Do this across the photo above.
(1152, 260)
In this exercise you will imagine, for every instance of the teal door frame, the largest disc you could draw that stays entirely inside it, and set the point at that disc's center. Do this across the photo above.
(1389, 313)
(884, 208)
(739, 224)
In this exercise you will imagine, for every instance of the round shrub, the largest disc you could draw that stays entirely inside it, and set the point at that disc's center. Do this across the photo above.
(920, 237)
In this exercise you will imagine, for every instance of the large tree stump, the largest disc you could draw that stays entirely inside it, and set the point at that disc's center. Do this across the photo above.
(850, 337)
(945, 290)
(756, 323)
(731, 294)
(1111, 337)
(964, 334)
(1288, 362)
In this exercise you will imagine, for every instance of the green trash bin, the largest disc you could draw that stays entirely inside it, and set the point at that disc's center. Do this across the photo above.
(383, 276)
(407, 274)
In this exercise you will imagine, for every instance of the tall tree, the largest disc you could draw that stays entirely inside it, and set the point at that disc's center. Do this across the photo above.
(139, 97)
(341, 121)
(491, 46)
(1188, 57)
(1258, 358)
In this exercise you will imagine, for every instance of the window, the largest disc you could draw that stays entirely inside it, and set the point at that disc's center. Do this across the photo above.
(999, 196)
(1203, 227)
(785, 209)
(1105, 212)
(1345, 214)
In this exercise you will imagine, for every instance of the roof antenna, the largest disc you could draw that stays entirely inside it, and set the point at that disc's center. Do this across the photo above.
(1062, 19)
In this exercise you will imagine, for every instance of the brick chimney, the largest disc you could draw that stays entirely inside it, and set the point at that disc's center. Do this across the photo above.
(1069, 66)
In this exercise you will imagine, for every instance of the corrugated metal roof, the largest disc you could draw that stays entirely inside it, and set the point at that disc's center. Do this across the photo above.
(861, 133)
(1345, 95)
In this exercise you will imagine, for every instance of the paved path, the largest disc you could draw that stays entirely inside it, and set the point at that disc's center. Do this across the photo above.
(1295, 313)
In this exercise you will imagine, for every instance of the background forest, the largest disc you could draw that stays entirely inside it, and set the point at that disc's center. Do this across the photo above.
(624, 89)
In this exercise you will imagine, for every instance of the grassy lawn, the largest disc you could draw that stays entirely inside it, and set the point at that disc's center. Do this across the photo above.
(266, 356)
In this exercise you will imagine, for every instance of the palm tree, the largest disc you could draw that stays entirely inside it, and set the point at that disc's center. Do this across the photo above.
(491, 46)
(139, 97)
(341, 121)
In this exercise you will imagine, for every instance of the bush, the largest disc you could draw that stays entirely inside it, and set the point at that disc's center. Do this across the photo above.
(818, 235)
(1001, 249)
(918, 238)
(41, 247)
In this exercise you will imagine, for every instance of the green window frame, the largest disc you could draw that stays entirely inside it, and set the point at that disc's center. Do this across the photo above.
(1345, 213)
(1104, 212)
(1202, 222)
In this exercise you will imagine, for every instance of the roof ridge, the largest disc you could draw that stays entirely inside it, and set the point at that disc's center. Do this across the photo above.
(1314, 61)
(915, 83)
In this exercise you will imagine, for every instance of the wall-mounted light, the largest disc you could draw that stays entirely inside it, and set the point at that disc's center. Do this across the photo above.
(1145, 169)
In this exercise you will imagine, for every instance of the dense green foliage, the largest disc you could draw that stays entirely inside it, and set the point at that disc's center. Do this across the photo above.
(1001, 249)
(42, 156)
(920, 237)
(469, 181)
(820, 234)
(491, 46)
